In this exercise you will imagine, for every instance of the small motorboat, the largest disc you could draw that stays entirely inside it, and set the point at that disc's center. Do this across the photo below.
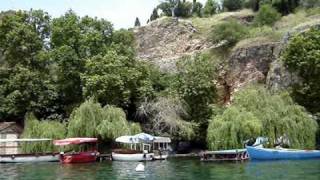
(259, 153)
(27, 157)
(225, 155)
(78, 157)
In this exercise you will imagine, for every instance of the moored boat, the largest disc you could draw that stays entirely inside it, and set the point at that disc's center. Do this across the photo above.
(78, 157)
(27, 157)
(258, 153)
(140, 148)
(160, 148)
(225, 155)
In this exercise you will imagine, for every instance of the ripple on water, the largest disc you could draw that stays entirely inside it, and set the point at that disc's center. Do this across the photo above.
(174, 169)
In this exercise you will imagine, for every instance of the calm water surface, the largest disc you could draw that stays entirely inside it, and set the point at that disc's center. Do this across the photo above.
(170, 169)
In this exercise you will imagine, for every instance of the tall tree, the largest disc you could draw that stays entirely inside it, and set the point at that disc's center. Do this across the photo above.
(211, 7)
(154, 14)
(25, 80)
(197, 8)
(232, 5)
(137, 22)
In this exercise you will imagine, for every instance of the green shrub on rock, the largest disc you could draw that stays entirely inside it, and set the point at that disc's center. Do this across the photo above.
(228, 33)
(303, 56)
(267, 15)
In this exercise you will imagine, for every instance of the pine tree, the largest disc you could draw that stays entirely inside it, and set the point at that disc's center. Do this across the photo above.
(154, 14)
(137, 22)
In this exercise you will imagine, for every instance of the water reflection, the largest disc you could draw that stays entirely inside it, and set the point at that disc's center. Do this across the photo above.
(170, 169)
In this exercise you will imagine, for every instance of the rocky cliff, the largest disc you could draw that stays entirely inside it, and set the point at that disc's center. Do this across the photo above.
(164, 41)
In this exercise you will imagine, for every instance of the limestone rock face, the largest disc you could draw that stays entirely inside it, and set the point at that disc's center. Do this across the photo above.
(165, 40)
(250, 64)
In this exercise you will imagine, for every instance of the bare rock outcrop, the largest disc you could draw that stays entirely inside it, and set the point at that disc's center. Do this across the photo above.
(167, 39)
(250, 64)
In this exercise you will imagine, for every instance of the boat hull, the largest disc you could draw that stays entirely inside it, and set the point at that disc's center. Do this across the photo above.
(23, 158)
(82, 157)
(279, 154)
(161, 157)
(132, 157)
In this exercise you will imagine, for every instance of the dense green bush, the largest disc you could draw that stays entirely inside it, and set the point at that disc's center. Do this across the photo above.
(266, 15)
(228, 33)
(302, 56)
(256, 112)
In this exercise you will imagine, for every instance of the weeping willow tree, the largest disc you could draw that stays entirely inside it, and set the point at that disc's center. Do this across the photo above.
(230, 129)
(115, 124)
(41, 129)
(256, 112)
(84, 120)
(92, 120)
(165, 115)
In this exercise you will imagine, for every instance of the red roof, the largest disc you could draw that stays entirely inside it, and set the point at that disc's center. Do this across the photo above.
(70, 141)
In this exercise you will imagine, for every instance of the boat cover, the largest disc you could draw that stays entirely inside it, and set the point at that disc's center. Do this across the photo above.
(144, 137)
(23, 140)
(70, 141)
(127, 139)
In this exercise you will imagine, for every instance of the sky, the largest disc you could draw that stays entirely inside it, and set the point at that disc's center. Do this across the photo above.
(121, 13)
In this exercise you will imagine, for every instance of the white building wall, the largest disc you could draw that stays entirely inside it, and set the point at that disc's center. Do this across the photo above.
(9, 147)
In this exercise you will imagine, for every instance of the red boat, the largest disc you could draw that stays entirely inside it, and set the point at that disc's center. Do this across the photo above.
(78, 157)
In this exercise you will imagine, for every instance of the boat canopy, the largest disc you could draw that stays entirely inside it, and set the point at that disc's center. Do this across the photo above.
(23, 140)
(70, 141)
(158, 139)
(144, 137)
(127, 139)
(138, 138)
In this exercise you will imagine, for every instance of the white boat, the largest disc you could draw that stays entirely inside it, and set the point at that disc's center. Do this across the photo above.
(32, 157)
(140, 148)
(132, 157)
(143, 147)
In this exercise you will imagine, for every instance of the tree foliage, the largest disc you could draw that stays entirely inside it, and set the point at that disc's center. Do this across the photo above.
(232, 5)
(180, 9)
(196, 8)
(211, 7)
(42, 60)
(115, 79)
(302, 56)
(41, 129)
(166, 116)
(266, 15)
(92, 120)
(256, 112)
(137, 22)
(154, 14)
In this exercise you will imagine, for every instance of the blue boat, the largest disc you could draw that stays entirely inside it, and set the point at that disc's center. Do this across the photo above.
(258, 153)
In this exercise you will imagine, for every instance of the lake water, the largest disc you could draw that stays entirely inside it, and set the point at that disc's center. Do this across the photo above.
(174, 168)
